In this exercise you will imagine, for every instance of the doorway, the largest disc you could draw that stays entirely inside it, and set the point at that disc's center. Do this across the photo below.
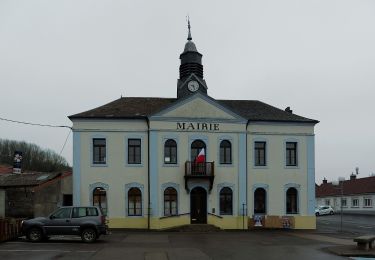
(198, 206)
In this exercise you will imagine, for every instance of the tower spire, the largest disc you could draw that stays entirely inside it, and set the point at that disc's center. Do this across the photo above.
(189, 35)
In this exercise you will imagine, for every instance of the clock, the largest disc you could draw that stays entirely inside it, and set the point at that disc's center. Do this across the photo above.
(193, 85)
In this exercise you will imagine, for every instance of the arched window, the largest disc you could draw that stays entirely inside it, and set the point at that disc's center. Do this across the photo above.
(226, 201)
(292, 201)
(196, 147)
(99, 198)
(260, 201)
(225, 152)
(170, 202)
(170, 152)
(134, 202)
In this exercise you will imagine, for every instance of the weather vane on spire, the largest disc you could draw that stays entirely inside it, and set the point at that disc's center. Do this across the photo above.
(189, 35)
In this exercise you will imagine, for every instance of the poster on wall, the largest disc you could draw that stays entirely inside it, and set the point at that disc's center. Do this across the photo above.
(17, 162)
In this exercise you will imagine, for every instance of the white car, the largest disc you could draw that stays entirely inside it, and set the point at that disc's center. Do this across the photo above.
(324, 210)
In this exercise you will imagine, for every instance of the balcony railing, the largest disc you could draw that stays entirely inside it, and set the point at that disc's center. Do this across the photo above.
(203, 171)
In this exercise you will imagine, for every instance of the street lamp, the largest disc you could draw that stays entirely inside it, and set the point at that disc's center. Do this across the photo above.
(340, 185)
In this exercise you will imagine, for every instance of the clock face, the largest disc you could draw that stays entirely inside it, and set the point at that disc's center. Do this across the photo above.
(193, 86)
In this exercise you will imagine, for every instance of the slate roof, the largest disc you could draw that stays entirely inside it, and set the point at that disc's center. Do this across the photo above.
(142, 107)
(351, 187)
(26, 179)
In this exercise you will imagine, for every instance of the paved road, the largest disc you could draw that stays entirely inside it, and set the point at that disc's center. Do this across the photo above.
(353, 225)
(264, 244)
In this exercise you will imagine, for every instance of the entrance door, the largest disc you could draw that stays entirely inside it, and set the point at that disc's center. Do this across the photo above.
(198, 206)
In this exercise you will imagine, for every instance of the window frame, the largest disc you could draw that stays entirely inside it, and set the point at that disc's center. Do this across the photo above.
(291, 212)
(225, 193)
(223, 152)
(169, 202)
(265, 201)
(170, 149)
(104, 209)
(256, 154)
(62, 209)
(352, 204)
(346, 203)
(101, 148)
(133, 148)
(367, 199)
(86, 212)
(289, 152)
(134, 197)
(197, 149)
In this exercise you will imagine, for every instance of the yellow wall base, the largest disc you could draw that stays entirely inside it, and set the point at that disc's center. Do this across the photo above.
(170, 222)
(304, 222)
(224, 222)
(139, 222)
(293, 222)
(228, 222)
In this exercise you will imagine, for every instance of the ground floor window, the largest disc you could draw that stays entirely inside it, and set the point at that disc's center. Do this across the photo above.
(327, 202)
(292, 201)
(100, 199)
(367, 202)
(355, 203)
(134, 202)
(170, 202)
(260, 201)
(344, 202)
(226, 201)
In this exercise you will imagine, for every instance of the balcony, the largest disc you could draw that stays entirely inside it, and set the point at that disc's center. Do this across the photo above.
(199, 172)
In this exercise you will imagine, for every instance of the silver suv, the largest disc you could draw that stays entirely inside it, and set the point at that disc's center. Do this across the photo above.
(87, 222)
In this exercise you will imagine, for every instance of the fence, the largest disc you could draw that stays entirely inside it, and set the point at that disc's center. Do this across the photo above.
(10, 228)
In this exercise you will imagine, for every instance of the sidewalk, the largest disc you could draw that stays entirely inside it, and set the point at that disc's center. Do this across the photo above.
(344, 246)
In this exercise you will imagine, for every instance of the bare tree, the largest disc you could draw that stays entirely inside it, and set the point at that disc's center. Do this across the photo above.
(34, 157)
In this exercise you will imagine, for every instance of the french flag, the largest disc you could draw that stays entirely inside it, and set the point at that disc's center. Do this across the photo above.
(201, 157)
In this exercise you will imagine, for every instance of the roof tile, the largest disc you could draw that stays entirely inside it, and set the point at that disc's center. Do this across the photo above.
(142, 107)
(350, 187)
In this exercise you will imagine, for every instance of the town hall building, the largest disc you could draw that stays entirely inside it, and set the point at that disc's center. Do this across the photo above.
(159, 163)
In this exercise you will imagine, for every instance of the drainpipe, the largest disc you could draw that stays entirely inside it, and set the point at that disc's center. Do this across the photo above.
(148, 175)
(246, 168)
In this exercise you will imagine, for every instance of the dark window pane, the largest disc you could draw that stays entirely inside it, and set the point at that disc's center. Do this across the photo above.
(260, 201)
(225, 152)
(291, 201)
(134, 151)
(99, 151)
(170, 202)
(170, 152)
(226, 201)
(100, 199)
(291, 154)
(260, 153)
(62, 213)
(134, 202)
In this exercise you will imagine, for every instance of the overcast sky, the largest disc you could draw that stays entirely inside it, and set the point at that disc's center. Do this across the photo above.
(59, 58)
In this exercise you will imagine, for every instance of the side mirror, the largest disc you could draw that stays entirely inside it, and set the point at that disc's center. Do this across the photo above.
(52, 217)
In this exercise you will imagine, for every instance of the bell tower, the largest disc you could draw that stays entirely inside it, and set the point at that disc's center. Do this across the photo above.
(191, 70)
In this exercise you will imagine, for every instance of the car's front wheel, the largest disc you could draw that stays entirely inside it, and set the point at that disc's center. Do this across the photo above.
(89, 235)
(331, 213)
(317, 214)
(35, 235)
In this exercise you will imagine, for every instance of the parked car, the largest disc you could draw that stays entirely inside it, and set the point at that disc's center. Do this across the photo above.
(324, 210)
(87, 222)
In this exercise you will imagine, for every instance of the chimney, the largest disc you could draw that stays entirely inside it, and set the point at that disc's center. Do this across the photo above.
(353, 176)
(288, 110)
(324, 181)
